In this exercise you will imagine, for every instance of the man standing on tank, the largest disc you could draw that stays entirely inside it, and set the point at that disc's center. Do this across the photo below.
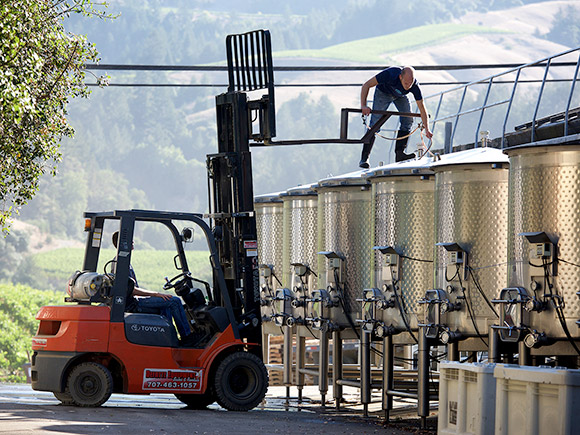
(392, 86)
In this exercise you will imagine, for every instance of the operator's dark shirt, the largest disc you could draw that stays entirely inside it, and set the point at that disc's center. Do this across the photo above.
(389, 83)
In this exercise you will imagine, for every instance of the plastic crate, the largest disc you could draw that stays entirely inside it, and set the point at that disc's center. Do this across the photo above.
(466, 398)
(537, 400)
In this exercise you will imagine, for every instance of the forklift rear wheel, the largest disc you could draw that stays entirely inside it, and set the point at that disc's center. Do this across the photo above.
(196, 401)
(90, 384)
(65, 398)
(241, 381)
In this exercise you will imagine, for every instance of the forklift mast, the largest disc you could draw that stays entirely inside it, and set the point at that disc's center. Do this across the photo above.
(231, 196)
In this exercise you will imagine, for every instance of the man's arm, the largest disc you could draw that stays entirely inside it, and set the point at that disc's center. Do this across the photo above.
(364, 93)
(424, 118)
(143, 292)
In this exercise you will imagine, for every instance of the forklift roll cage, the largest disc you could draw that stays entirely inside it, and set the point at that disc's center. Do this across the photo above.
(128, 219)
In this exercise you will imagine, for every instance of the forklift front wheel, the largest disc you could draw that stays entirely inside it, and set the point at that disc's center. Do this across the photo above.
(90, 384)
(241, 381)
(65, 398)
(196, 401)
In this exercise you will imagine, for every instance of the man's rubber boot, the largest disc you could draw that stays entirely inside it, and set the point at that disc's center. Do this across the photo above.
(400, 146)
(366, 152)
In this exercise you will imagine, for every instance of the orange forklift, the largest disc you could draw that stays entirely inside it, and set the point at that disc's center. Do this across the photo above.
(92, 347)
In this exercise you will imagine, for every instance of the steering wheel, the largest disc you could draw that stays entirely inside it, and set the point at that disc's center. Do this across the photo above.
(171, 283)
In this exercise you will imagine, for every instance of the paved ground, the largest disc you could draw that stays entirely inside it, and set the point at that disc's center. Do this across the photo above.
(23, 411)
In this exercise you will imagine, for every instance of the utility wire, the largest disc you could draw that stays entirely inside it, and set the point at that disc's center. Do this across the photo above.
(215, 68)
(304, 85)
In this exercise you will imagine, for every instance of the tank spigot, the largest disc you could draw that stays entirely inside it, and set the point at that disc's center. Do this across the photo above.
(533, 304)
(382, 330)
(536, 339)
(297, 303)
(448, 306)
(446, 336)
(383, 304)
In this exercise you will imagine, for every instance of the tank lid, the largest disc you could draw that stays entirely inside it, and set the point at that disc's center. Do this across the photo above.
(301, 190)
(473, 156)
(350, 179)
(268, 197)
(408, 167)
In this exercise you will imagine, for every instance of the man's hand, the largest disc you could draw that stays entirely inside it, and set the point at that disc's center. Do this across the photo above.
(428, 133)
(366, 110)
(163, 296)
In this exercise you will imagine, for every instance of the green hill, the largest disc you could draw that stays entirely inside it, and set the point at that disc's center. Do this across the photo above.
(376, 50)
(50, 270)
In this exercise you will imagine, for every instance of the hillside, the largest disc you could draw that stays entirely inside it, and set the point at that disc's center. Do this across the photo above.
(145, 147)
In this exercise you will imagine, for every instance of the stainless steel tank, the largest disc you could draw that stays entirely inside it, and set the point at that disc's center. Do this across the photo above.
(471, 198)
(300, 259)
(345, 236)
(543, 248)
(403, 239)
(269, 209)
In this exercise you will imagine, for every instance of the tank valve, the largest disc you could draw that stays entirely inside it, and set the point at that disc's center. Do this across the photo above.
(382, 330)
(290, 321)
(383, 304)
(446, 336)
(448, 306)
(536, 339)
(533, 304)
(297, 303)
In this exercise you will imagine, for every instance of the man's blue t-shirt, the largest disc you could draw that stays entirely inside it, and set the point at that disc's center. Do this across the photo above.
(389, 83)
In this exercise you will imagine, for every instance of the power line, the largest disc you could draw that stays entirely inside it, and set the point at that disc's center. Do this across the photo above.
(216, 68)
(306, 85)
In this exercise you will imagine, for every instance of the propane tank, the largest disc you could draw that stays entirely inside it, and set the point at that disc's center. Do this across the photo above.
(82, 286)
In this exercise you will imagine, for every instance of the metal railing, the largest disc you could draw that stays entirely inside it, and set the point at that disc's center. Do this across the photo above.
(486, 104)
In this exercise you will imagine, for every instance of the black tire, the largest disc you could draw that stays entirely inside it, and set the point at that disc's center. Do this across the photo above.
(90, 384)
(196, 401)
(241, 381)
(65, 398)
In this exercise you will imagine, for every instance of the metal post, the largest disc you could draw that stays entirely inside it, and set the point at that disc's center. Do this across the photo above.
(300, 362)
(365, 371)
(287, 359)
(388, 374)
(336, 367)
(448, 148)
(266, 348)
(423, 377)
(494, 354)
(533, 131)
(344, 124)
(453, 351)
(524, 354)
(323, 366)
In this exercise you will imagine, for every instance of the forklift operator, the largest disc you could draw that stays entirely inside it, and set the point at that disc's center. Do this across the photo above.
(147, 301)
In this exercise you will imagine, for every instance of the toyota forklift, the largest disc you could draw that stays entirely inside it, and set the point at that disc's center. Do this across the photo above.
(92, 347)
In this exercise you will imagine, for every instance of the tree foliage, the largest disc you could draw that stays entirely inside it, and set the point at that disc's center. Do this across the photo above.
(18, 308)
(40, 70)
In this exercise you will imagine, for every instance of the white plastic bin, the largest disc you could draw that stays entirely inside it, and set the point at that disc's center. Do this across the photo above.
(466, 398)
(537, 400)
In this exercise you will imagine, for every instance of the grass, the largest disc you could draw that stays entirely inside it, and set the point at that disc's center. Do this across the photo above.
(151, 266)
(377, 49)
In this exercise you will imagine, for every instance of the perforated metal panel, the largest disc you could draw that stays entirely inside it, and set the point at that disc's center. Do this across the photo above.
(270, 226)
(471, 210)
(345, 227)
(403, 219)
(300, 244)
(544, 196)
